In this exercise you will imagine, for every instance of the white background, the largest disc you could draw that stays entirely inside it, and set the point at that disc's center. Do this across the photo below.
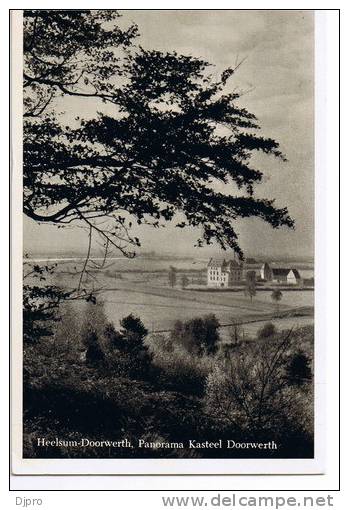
(327, 214)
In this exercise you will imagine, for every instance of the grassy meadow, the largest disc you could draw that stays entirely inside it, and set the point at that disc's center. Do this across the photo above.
(141, 286)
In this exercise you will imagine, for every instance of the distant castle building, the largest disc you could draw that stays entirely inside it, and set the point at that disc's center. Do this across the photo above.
(280, 274)
(222, 273)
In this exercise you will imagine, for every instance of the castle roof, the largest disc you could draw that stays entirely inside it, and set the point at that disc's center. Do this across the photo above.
(280, 271)
(296, 273)
(234, 263)
(284, 271)
(216, 263)
(224, 264)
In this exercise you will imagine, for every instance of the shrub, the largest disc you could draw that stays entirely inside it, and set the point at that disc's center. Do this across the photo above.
(114, 339)
(267, 330)
(178, 369)
(182, 371)
(198, 336)
(94, 352)
(249, 392)
(159, 343)
(133, 332)
(128, 354)
(298, 370)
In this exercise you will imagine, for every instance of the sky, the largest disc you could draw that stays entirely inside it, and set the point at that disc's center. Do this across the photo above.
(277, 77)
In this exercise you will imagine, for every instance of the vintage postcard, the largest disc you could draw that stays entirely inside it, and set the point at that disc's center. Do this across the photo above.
(163, 233)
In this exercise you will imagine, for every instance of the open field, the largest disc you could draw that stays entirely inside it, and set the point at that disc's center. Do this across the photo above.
(140, 286)
(160, 308)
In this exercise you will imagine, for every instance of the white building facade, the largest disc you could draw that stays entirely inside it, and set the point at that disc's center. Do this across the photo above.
(289, 276)
(222, 273)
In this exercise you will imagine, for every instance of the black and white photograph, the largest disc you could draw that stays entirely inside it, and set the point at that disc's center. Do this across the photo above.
(168, 234)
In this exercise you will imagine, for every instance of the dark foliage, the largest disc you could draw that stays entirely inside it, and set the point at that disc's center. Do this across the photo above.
(299, 370)
(251, 392)
(199, 335)
(276, 295)
(159, 150)
(42, 301)
(267, 331)
(153, 158)
(38, 314)
(69, 397)
(134, 331)
(114, 338)
(94, 352)
(130, 354)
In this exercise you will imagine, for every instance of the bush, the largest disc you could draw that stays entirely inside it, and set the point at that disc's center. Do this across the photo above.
(72, 400)
(266, 331)
(198, 336)
(249, 393)
(94, 352)
(180, 370)
(133, 332)
(137, 385)
(158, 343)
(128, 354)
(298, 370)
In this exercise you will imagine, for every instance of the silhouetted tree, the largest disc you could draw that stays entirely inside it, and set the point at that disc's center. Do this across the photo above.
(128, 354)
(153, 155)
(115, 340)
(133, 332)
(299, 371)
(157, 150)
